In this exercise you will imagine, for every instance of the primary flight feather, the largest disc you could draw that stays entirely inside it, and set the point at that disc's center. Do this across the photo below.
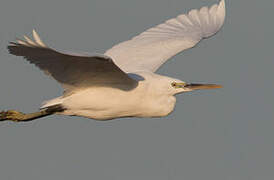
(122, 82)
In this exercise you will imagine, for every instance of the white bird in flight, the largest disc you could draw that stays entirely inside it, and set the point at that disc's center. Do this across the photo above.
(121, 82)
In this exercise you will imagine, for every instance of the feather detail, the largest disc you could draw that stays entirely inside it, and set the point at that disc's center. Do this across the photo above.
(150, 49)
(38, 39)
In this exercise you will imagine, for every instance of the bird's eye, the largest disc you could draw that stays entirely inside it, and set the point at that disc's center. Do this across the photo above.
(173, 84)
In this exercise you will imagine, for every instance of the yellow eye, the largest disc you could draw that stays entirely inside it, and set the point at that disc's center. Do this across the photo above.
(173, 84)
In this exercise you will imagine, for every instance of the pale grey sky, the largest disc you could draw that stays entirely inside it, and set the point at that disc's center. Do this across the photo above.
(224, 134)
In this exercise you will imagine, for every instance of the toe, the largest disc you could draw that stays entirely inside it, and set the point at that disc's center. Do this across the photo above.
(2, 115)
(11, 115)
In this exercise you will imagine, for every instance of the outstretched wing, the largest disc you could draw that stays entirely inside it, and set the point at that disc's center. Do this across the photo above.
(150, 49)
(73, 71)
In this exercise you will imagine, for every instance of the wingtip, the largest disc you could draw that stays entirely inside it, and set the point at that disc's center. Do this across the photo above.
(29, 41)
(35, 42)
(11, 43)
(221, 11)
(222, 2)
(21, 42)
(221, 7)
(37, 38)
(34, 33)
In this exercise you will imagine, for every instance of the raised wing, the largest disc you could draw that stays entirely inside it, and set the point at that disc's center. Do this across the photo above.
(150, 49)
(73, 71)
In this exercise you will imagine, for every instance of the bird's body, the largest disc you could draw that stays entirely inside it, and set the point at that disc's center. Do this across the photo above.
(148, 99)
(122, 82)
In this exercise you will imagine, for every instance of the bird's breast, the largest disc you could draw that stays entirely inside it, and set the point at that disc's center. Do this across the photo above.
(159, 106)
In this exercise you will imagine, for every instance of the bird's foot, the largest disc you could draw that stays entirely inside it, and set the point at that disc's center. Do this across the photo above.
(12, 115)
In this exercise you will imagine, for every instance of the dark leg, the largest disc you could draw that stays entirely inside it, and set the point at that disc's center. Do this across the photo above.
(12, 115)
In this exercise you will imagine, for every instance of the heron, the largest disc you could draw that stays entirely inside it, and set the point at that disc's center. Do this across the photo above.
(122, 82)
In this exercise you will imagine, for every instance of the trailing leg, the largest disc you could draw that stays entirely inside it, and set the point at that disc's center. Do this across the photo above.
(12, 115)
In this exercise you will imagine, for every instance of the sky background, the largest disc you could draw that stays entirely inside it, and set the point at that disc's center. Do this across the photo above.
(224, 134)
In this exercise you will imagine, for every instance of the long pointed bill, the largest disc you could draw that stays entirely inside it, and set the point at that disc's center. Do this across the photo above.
(202, 86)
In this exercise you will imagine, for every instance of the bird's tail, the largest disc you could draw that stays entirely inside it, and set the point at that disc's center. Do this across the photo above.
(52, 102)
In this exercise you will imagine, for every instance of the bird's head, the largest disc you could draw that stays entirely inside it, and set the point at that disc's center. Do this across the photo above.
(178, 86)
(167, 85)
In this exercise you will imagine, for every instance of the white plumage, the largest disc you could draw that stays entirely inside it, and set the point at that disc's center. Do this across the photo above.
(150, 49)
(122, 82)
